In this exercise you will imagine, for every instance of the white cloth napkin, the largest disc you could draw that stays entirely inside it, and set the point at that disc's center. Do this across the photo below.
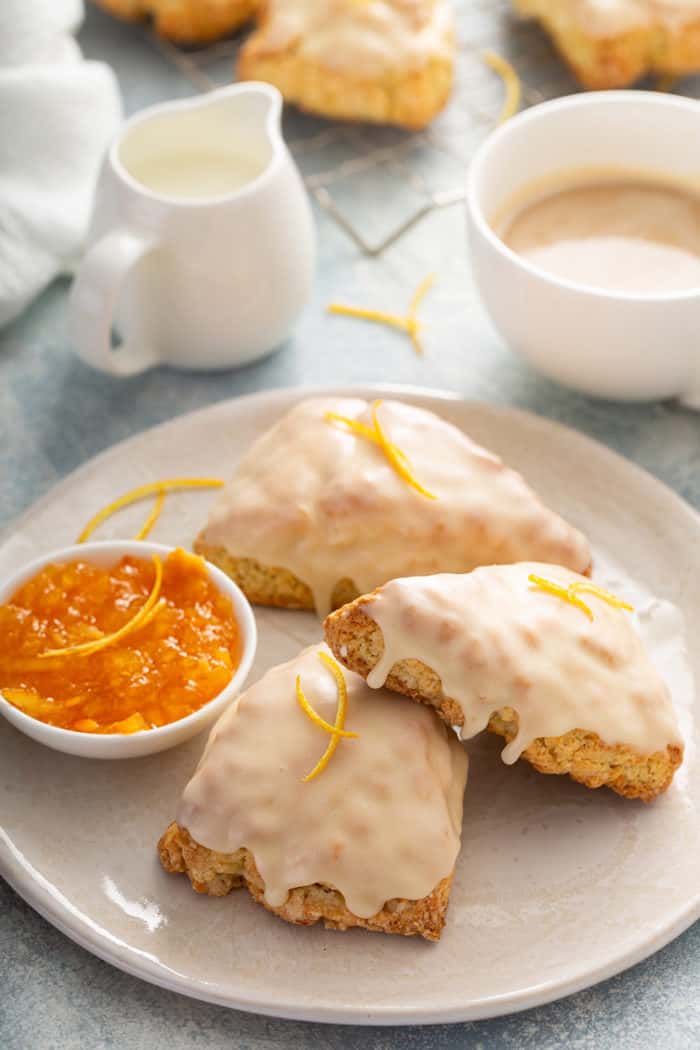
(57, 115)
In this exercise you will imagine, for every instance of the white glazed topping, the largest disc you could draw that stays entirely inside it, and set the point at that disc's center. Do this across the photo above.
(496, 640)
(316, 499)
(602, 18)
(384, 818)
(361, 37)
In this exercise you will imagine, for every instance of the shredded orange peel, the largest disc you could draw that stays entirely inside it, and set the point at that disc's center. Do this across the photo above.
(513, 85)
(396, 456)
(154, 488)
(152, 518)
(570, 593)
(338, 730)
(409, 324)
(145, 614)
(315, 716)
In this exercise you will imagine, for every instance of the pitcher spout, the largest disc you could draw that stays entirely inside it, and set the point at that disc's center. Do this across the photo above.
(231, 136)
(252, 105)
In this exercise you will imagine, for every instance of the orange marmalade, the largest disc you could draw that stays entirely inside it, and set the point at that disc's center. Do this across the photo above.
(172, 663)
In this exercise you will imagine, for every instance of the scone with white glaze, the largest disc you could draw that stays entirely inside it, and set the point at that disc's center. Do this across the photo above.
(371, 840)
(556, 667)
(317, 514)
(186, 21)
(385, 61)
(612, 43)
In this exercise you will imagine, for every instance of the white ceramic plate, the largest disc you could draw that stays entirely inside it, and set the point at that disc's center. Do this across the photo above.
(556, 887)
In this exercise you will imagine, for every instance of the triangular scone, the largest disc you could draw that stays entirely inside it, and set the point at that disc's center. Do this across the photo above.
(316, 514)
(612, 43)
(187, 21)
(386, 61)
(370, 841)
(571, 690)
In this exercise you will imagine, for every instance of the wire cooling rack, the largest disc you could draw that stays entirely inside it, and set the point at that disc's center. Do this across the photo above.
(417, 172)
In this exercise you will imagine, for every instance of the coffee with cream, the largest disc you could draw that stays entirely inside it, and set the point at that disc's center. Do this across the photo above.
(627, 232)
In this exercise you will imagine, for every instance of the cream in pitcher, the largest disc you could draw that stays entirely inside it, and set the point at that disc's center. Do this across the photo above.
(201, 246)
(196, 175)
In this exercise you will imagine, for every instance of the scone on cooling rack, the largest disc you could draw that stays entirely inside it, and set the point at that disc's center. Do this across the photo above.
(186, 21)
(385, 61)
(533, 652)
(612, 43)
(367, 836)
(340, 496)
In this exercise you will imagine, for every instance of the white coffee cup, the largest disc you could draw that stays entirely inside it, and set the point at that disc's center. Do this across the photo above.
(611, 344)
(201, 247)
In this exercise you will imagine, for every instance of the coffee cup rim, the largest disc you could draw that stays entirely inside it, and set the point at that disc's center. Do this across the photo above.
(536, 113)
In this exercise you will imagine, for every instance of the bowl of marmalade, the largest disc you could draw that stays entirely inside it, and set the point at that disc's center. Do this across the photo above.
(117, 649)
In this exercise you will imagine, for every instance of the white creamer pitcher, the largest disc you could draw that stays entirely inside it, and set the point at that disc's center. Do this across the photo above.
(201, 246)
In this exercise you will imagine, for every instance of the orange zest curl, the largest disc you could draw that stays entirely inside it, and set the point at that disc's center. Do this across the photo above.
(315, 716)
(414, 325)
(409, 324)
(145, 614)
(152, 518)
(338, 729)
(570, 594)
(397, 457)
(565, 593)
(361, 429)
(605, 596)
(511, 80)
(155, 488)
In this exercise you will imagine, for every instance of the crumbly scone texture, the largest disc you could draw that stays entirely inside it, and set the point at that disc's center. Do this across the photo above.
(357, 642)
(602, 62)
(186, 21)
(409, 99)
(273, 585)
(218, 873)
(268, 585)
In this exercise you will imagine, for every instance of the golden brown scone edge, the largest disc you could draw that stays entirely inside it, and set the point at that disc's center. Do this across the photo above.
(186, 21)
(270, 585)
(274, 586)
(357, 642)
(617, 60)
(218, 873)
(408, 99)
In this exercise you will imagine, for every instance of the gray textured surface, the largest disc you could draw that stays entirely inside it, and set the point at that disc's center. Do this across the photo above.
(54, 414)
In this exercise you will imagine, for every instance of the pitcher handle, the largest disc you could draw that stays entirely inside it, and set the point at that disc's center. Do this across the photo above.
(93, 302)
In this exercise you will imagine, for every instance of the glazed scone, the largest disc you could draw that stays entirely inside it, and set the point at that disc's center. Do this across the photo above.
(612, 43)
(316, 515)
(216, 874)
(370, 841)
(385, 61)
(492, 649)
(186, 21)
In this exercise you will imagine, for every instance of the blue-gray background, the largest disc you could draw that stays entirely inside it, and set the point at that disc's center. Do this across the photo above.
(55, 414)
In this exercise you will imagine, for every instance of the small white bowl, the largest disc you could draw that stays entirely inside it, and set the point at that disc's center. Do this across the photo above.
(149, 741)
(616, 345)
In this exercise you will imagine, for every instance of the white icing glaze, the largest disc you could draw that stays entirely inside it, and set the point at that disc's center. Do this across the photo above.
(498, 641)
(606, 18)
(316, 499)
(383, 820)
(362, 37)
